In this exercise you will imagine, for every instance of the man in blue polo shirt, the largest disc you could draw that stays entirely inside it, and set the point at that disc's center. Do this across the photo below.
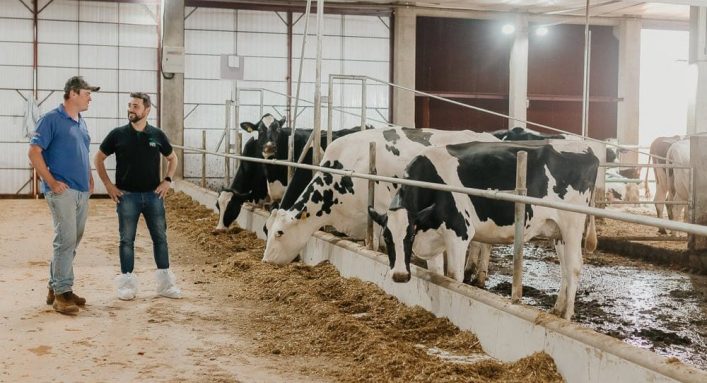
(59, 153)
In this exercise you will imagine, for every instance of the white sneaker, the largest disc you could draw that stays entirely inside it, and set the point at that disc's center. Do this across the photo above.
(166, 284)
(127, 285)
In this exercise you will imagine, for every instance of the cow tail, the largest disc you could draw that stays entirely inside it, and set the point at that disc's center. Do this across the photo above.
(590, 240)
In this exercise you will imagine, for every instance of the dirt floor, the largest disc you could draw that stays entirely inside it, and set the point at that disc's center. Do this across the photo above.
(240, 320)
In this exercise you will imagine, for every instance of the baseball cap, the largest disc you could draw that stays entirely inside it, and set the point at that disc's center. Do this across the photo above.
(77, 82)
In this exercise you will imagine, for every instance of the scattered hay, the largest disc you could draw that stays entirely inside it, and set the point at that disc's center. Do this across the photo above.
(314, 312)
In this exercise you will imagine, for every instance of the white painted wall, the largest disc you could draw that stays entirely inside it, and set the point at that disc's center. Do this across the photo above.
(112, 45)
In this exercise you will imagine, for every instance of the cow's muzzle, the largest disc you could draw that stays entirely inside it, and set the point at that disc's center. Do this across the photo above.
(217, 230)
(269, 150)
(401, 277)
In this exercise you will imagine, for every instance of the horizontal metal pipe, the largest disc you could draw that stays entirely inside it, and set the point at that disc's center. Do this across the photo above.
(645, 239)
(492, 194)
(628, 165)
(646, 202)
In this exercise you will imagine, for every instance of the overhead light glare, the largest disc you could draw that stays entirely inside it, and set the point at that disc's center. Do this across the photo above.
(541, 31)
(508, 29)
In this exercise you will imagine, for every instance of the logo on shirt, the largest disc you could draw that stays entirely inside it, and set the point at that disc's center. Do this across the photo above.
(152, 144)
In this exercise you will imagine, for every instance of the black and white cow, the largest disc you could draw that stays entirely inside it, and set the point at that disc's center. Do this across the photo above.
(620, 188)
(341, 201)
(427, 222)
(249, 184)
(255, 181)
(522, 134)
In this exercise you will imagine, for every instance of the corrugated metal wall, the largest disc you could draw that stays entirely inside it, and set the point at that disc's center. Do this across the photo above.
(260, 38)
(351, 45)
(113, 45)
(16, 59)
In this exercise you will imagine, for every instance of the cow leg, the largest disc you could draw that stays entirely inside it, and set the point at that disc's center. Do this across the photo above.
(482, 273)
(472, 261)
(561, 302)
(436, 264)
(571, 266)
(477, 264)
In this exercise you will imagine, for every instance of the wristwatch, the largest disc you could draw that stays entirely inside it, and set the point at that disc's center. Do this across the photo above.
(168, 179)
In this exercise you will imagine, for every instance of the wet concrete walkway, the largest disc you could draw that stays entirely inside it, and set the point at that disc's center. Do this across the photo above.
(648, 306)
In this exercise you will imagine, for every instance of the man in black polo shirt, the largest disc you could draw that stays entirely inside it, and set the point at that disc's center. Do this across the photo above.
(139, 190)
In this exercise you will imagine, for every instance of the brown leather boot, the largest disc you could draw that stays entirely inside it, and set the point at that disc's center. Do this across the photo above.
(64, 304)
(77, 299)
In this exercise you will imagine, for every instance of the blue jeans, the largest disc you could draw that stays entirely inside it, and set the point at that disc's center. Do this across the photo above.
(69, 211)
(152, 208)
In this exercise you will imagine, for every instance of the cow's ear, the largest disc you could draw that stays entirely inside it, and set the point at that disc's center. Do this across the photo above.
(248, 126)
(424, 217)
(377, 217)
(282, 121)
(241, 195)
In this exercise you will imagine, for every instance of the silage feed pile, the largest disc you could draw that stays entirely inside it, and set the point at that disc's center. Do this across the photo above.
(314, 312)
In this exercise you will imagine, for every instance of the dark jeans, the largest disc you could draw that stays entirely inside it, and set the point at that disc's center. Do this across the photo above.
(152, 208)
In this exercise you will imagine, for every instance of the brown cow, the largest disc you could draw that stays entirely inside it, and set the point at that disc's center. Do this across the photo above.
(659, 149)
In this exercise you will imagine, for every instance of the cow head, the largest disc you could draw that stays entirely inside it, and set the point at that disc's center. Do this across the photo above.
(286, 236)
(229, 204)
(398, 235)
(269, 130)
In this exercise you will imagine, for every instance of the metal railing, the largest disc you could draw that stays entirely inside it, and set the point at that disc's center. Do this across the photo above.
(500, 195)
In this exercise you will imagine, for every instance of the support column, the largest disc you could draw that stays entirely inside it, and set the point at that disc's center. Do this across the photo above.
(518, 76)
(698, 160)
(172, 97)
(629, 34)
(697, 104)
(697, 123)
(404, 35)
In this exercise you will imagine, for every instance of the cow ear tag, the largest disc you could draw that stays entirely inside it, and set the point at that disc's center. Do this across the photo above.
(247, 126)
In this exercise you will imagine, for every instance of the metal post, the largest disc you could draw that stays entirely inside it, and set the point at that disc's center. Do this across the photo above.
(316, 142)
(330, 105)
(238, 147)
(363, 104)
(371, 192)
(227, 146)
(237, 115)
(585, 90)
(291, 141)
(521, 171)
(203, 159)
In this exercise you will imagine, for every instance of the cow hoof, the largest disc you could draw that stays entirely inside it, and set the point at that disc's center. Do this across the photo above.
(479, 283)
(218, 231)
